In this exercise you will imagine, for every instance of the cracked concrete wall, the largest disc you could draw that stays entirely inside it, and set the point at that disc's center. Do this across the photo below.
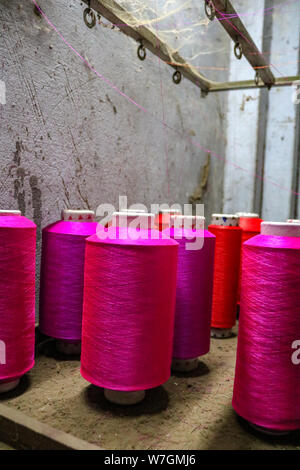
(68, 139)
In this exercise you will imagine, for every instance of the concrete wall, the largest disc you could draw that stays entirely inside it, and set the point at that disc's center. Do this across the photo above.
(69, 139)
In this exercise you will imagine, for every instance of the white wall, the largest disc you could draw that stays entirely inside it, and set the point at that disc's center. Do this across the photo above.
(242, 121)
(243, 126)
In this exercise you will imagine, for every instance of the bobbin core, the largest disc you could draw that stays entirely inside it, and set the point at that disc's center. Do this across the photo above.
(68, 348)
(124, 398)
(221, 332)
(184, 365)
(269, 432)
(8, 386)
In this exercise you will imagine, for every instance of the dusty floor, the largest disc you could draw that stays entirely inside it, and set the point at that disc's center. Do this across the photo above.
(189, 412)
(5, 446)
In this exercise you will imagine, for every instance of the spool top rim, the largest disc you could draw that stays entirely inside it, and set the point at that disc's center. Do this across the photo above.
(249, 215)
(169, 211)
(280, 229)
(74, 215)
(225, 220)
(293, 221)
(122, 219)
(137, 211)
(10, 212)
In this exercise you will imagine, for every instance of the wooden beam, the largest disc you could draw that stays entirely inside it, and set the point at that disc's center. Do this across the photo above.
(114, 13)
(22, 432)
(237, 31)
(117, 15)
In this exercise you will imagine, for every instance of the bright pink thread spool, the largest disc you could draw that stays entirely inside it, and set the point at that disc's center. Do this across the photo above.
(128, 315)
(62, 271)
(17, 297)
(194, 290)
(267, 382)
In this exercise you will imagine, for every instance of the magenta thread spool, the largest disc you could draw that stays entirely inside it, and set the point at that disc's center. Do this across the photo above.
(194, 291)
(128, 320)
(17, 297)
(267, 381)
(62, 271)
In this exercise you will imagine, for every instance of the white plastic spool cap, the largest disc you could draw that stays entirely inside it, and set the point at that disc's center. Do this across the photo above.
(124, 398)
(169, 211)
(140, 211)
(293, 221)
(188, 221)
(280, 229)
(77, 215)
(184, 365)
(144, 220)
(8, 386)
(249, 215)
(225, 220)
(4, 212)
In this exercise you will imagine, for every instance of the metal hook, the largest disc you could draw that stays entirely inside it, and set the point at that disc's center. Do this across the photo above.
(256, 79)
(141, 52)
(238, 50)
(210, 10)
(177, 77)
(89, 17)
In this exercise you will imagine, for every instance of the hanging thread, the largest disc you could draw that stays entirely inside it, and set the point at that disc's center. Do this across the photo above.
(128, 316)
(226, 272)
(250, 224)
(62, 271)
(17, 297)
(267, 380)
(194, 291)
